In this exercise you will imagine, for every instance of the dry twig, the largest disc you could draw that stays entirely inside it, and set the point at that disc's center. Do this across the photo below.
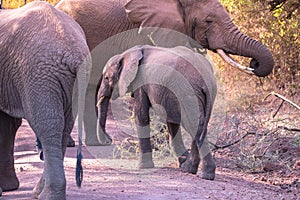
(289, 129)
(284, 99)
(216, 147)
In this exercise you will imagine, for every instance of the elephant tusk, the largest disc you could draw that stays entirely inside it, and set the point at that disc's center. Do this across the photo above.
(233, 63)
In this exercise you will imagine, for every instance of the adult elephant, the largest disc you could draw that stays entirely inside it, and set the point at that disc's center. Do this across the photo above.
(176, 80)
(205, 21)
(42, 52)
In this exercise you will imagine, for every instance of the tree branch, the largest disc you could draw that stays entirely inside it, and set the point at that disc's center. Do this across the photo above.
(216, 147)
(284, 99)
(289, 129)
(278, 109)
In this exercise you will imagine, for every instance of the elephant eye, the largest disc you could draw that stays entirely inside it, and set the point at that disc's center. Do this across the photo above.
(106, 77)
(209, 20)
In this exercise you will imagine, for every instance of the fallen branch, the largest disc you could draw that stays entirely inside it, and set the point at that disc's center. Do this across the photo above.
(280, 106)
(284, 99)
(289, 129)
(216, 147)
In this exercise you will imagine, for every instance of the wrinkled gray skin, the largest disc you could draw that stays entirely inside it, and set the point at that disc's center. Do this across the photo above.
(206, 21)
(177, 79)
(42, 51)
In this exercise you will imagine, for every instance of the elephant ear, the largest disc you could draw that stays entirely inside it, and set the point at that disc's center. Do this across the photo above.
(128, 66)
(156, 13)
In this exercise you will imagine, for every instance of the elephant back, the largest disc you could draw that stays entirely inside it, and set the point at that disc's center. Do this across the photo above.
(38, 42)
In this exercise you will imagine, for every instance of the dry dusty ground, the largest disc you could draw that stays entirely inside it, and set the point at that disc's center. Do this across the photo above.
(107, 178)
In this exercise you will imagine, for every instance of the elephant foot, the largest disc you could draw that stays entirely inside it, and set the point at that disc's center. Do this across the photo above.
(191, 164)
(42, 192)
(71, 142)
(37, 190)
(208, 167)
(9, 181)
(189, 167)
(208, 175)
(89, 141)
(96, 143)
(52, 195)
(182, 158)
(146, 161)
(92, 143)
(146, 165)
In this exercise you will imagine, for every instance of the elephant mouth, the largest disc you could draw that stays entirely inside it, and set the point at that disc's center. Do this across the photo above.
(227, 58)
(225, 55)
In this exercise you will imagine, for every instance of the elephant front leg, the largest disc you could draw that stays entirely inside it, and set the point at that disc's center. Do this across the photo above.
(142, 120)
(8, 129)
(177, 143)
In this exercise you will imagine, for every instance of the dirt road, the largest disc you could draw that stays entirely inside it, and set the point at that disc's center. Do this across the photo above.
(107, 178)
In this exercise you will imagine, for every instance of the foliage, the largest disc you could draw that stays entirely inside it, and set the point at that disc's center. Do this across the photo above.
(290, 6)
(279, 30)
(274, 146)
(9, 4)
(159, 137)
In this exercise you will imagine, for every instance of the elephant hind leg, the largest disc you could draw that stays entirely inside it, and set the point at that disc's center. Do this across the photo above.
(52, 184)
(192, 161)
(8, 128)
(176, 142)
(207, 162)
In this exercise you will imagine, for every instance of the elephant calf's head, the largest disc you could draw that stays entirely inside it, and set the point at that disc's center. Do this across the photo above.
(117, 76)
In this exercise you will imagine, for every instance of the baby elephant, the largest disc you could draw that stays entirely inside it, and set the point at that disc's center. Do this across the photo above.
(177, 83)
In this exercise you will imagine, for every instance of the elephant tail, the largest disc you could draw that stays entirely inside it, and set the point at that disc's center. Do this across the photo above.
(82, 82)
(81, 100)
(207, 112)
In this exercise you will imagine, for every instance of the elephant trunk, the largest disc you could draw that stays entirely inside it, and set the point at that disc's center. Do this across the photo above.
(102, 105)
(262, 61)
